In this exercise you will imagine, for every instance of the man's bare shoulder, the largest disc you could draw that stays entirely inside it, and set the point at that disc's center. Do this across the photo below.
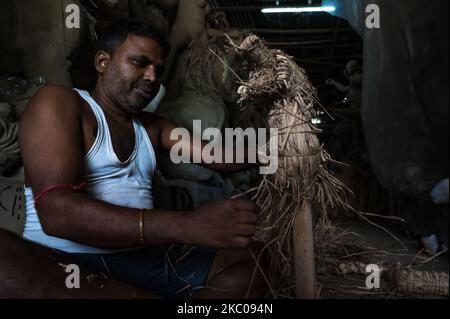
(52, 110)
(53, 99)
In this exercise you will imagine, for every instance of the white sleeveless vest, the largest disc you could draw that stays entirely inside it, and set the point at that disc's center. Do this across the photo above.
(127, 184)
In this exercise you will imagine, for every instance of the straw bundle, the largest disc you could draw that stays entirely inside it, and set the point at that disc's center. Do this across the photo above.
(404, 280)
(303, 177)
(9, 147)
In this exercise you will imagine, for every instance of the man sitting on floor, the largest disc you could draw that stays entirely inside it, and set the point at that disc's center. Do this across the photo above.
(89, 159)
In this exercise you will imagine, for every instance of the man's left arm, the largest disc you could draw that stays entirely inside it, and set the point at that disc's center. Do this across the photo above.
(170, 138)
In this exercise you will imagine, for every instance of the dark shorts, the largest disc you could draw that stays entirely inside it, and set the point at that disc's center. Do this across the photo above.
(173, 271)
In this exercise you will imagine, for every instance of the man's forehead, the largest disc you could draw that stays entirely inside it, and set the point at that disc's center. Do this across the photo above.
(142, 45)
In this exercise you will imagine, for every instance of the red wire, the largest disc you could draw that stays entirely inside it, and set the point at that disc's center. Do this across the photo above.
(57, 186)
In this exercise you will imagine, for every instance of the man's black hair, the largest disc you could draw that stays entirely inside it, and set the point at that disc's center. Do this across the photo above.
(114, 33)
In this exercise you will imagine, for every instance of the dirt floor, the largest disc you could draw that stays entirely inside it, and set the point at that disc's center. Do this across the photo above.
(382, 249)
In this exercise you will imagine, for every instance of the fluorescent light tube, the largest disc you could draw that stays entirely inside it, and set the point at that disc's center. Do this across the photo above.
(298, 9)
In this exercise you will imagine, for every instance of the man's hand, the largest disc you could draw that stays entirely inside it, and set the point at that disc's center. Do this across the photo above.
(222, 224)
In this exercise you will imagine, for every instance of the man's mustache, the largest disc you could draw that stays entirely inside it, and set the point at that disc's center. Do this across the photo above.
(147, 87)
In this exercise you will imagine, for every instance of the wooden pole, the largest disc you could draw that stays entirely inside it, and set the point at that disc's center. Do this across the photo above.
(305, 277)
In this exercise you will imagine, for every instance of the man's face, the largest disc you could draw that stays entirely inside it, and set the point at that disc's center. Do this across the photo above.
(132, 76)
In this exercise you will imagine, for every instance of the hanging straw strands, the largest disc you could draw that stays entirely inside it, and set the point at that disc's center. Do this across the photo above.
(302, 176)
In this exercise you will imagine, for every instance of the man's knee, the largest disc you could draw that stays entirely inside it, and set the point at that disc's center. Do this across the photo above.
(240, 280)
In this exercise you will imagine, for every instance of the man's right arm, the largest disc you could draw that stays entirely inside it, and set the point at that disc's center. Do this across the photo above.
(51, 142)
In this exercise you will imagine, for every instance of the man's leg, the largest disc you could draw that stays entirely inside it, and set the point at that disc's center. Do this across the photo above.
(234, 274)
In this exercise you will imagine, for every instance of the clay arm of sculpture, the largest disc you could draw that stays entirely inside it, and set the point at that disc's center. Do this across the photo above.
(175, 142)
(51, 139)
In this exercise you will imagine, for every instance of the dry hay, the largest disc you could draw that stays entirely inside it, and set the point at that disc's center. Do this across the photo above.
(401, 280)
(202, 73)
(303, 176)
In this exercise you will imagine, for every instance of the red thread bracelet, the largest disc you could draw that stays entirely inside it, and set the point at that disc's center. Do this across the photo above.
(55, 187)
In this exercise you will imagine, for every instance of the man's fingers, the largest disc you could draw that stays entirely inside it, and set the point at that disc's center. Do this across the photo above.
(241, 241)
(244, 204)
(245, 230)
(246, 217)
